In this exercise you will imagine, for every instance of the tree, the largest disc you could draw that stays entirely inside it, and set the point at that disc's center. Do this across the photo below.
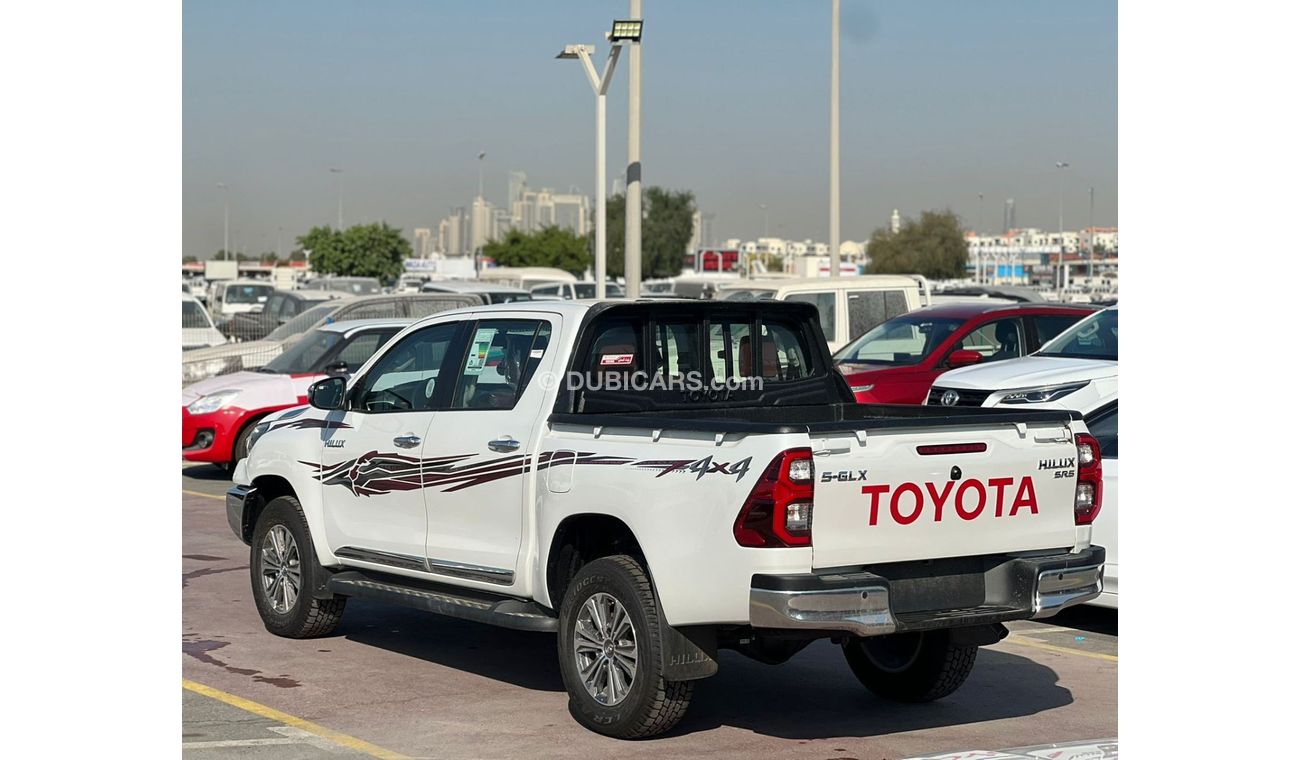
(934, 247)
(363, 250)
(189, 259)
(665, 231)
(549, 247)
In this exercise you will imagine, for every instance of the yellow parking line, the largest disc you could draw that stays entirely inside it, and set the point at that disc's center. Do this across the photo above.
(204, 495)
(1024, 642)
(343, 740)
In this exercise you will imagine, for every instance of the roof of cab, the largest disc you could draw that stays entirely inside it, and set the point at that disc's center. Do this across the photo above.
(968, 309)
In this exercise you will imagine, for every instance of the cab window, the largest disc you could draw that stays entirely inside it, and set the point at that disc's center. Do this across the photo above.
(406, 377)
(500, 360)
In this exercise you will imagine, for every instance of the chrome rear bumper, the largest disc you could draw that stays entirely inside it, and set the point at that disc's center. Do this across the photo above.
(916, 597)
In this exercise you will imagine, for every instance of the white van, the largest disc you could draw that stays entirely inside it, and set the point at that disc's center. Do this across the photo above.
(849, 306)
(525, 277)
(238, 297)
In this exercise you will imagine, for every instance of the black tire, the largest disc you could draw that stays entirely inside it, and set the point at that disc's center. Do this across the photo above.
(307, 617)
(240, 449)
(910, 667)
(652, 705)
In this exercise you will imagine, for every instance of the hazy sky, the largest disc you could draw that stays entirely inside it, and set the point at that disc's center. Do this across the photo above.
(940, 100)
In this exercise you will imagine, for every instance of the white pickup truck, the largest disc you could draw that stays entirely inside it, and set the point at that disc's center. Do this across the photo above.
(654, 481)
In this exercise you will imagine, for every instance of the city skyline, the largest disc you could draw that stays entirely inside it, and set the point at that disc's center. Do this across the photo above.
(941, 102)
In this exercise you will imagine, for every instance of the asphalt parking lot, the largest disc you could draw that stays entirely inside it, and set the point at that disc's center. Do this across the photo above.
(399, 683)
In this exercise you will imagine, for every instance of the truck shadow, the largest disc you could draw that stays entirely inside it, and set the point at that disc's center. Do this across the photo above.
(812, 696)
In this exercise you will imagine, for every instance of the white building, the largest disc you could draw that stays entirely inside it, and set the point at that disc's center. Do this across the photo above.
(482, 217)
(423, 242)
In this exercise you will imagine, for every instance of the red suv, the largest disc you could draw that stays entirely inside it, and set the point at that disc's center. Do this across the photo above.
(896, 361)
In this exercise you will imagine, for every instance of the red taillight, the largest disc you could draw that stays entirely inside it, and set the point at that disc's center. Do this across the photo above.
(778, 511)
(952, 448)
(1087, 491)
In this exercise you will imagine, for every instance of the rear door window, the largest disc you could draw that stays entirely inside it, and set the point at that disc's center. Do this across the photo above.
(825, 303)
(500, 360)
(868, 308)
(381, 309)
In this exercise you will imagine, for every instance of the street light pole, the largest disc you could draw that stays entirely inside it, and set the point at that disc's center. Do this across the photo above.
(599, 85)
(1092, 236)
(481, 155)
(835, 138)
(1060, 209)
(979, 257)
(339, 172)
(632, 220)
(763, 208)
(225, 219)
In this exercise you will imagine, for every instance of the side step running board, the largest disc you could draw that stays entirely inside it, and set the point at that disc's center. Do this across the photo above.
(480, 607)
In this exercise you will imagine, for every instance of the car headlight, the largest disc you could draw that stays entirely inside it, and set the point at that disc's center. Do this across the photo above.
(1041, 394)
(214, 402)
(862, 388)
(258, 430)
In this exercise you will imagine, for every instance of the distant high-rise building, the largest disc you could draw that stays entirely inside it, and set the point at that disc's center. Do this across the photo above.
(481, 224)
(618, 186)
(457, 227)
(423, 242)
(572, 212)
(1009, 216)
(697, 236)
(515, 192)
(895, 222)
(706, 230)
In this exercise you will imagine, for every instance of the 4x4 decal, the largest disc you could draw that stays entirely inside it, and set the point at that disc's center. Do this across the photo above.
(375, 473)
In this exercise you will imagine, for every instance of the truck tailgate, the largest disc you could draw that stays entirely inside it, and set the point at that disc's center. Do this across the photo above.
(907, 494)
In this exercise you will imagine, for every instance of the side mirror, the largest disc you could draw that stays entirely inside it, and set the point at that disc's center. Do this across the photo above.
(327, 394)
(337, 368)
(964, 357)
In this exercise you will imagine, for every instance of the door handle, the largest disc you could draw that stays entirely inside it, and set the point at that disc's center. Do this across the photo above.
(504, 443)
(407, 441)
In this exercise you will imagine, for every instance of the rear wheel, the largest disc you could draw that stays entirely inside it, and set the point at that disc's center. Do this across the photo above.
(610, 652)
(282, 571)
(910, 667)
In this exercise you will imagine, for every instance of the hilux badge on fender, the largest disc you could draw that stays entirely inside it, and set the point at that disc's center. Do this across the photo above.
(949, 398)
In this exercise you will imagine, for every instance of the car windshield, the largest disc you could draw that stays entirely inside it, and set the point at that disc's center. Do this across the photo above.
(901, 341)
(305, 354)
(247, 293)
(303, 321)
(192, 316)
(1096, 337)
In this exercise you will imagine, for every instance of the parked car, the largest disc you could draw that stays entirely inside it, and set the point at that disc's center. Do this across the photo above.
(1103, 423)
(281, 306)
(203, 363)
(218, 414)
(230, 297)
(897, 361)
(197, 329)
(353, 286)
(490, 292)
(570, 291)
(1078, 369)
(650, 527)
(849, 306)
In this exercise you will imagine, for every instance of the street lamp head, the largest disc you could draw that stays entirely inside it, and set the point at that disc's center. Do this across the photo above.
(482, 154)
(573, 51)
(335, 171)
(1061, 164)
(626, 30)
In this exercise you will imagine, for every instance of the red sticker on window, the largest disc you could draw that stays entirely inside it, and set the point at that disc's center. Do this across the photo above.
(616, 360)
